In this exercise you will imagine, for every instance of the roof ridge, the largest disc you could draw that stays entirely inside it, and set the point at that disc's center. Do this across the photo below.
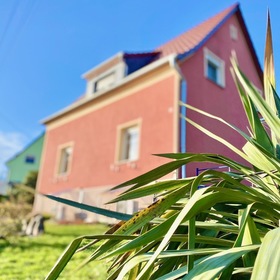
(189, 39)
(24, 148)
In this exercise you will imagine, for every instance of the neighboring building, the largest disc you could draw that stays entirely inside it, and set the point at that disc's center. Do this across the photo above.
(131, 110)
(25, 161)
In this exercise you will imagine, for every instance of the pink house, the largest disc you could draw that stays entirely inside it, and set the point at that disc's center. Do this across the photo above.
(130, 110)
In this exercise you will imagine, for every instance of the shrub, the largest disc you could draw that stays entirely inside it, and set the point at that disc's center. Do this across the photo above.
(226, 230)
(12, 216)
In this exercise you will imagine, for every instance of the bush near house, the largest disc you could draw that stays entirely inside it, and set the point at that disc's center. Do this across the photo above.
(24, 192)
(16, 206)
(12, 215)
(217, 225)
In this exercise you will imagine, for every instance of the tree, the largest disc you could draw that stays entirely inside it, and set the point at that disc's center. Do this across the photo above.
(24, 193)
(31, 179)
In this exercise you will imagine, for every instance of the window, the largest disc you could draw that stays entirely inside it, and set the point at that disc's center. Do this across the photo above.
(130, 139)
(104, 76)
(214, 68)
(212, 71)
(30, 159)
(65, 160)
(128, 143)
(104, 82)
(233, 32)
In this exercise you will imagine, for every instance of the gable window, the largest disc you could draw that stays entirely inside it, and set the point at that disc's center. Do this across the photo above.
(233, 32)
(30, 159)
(212, 71)
(214, 68)
(65, 160)
(128, 148)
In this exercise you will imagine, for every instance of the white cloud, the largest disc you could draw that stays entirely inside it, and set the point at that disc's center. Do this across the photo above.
(10, 144)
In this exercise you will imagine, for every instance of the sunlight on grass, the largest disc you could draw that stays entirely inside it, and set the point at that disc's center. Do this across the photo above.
(33, 257)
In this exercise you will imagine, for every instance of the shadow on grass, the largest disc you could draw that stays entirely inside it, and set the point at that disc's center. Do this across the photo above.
(32, 245)
(62, 234)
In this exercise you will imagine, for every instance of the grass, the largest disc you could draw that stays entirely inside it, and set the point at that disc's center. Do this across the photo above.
(31, 258)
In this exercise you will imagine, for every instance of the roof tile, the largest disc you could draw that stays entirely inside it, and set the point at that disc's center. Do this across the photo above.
(193, 37)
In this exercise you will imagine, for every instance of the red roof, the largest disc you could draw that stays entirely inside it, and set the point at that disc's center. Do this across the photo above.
(195, 36)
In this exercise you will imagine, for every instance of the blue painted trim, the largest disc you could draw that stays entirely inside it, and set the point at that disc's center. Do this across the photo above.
(183, 124)
(209, 35)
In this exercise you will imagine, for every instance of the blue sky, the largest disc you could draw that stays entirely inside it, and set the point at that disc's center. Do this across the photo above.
(46, 45)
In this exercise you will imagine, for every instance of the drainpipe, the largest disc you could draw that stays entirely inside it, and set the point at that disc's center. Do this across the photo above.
(183, 124)
(183, 113)
(81, 195)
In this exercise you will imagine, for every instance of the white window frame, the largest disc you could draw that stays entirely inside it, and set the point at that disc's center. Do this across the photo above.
(210, 57)
(119, 72)
(107, 81)
(61, 159)
(122, 133)
(233, 31)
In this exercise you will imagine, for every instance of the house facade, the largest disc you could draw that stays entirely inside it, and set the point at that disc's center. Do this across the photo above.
(131, 110)
(25, 161)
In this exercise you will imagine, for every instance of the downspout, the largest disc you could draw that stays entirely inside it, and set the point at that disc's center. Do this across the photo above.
(183, 113)
(183, 124)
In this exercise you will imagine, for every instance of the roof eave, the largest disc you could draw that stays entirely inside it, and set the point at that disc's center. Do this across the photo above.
(210, 34)
(127, 79)
(238, 12)
(25, 148)
(250, 44)
(119, 54)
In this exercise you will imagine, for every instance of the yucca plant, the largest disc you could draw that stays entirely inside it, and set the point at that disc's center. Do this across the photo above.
(226, 230)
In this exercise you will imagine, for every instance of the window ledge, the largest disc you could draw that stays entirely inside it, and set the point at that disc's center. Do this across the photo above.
(61, 177)
(130, 163)
(214, 83)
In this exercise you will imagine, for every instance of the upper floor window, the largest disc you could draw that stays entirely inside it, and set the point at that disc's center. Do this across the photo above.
(104, 82)
(128, 147)
(130, 141)
(212, 71)
(214, 68)
(65, 157)
(104, 77)
(30, 159)
(233, 32)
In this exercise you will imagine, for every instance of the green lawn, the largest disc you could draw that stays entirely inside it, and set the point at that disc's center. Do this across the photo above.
(31, 258)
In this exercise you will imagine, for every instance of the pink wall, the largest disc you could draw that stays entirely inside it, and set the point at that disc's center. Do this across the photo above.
(223, 102)
(95, 136)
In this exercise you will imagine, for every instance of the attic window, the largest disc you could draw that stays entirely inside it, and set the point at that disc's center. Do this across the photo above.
(104, 82)
(214, 68)
(233, 32)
